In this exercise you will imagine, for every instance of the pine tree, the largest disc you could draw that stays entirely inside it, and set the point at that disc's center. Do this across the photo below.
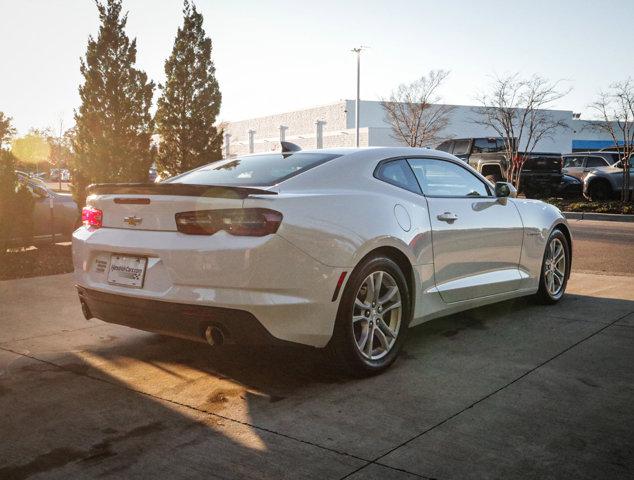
(190, 101)
(113, 124)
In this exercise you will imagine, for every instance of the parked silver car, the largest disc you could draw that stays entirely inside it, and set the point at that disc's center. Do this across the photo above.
(54, 214)
(581, 163)
(603, 183)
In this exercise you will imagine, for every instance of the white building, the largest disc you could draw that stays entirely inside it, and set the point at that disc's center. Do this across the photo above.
(333, 126)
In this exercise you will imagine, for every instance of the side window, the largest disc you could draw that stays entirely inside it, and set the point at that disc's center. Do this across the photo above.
(398, 173)
(445, 146)
(595, 162)
(487, 145)
(573, 162)
(441, 178)
(461, 147)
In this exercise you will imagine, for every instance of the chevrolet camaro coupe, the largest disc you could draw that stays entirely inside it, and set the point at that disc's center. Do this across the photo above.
(340, 249)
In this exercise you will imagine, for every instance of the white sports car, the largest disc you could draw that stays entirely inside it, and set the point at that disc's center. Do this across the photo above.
(337, 248)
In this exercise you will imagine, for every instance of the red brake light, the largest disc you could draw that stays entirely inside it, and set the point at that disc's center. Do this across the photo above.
(247, 222)
(92, 217)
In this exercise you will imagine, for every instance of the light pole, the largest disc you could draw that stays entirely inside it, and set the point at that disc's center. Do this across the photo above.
(357, 104)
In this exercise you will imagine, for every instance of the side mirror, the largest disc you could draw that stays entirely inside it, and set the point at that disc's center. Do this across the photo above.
(505, 189)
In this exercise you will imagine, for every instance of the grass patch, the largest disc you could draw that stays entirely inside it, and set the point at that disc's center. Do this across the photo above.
(593, 207)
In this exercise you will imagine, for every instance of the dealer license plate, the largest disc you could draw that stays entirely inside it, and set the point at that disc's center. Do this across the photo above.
(127, 271)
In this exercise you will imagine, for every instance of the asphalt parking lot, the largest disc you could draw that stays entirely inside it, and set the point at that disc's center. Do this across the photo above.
(508, 391)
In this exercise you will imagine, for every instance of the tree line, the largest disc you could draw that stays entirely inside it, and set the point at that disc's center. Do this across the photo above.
(115, 137)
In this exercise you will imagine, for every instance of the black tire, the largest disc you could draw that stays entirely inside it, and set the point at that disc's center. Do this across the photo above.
(543, 295)
(343, 345)
(599, 191)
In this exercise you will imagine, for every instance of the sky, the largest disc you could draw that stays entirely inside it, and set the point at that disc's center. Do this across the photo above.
(277, 56)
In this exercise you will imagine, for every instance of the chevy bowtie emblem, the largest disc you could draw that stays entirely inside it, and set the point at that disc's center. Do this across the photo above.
(133, 221)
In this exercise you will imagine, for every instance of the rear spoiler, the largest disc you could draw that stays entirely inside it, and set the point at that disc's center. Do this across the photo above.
(180, 189)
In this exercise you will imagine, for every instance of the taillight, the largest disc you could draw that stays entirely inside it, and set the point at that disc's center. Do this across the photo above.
(92, 217)
(244, 222)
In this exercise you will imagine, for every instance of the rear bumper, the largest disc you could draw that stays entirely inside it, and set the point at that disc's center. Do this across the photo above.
(540, 180)
(177, 319)
(288, 292)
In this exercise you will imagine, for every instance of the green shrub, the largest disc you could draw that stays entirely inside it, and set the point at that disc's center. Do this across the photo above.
(16, 207)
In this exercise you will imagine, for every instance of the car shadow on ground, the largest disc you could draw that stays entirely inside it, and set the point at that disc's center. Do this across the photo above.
(165, 406)
(278, 371)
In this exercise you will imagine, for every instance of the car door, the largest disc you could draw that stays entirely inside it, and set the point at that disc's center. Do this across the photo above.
(574, 165)
(41, 210)
(476, 238)
(591, 163)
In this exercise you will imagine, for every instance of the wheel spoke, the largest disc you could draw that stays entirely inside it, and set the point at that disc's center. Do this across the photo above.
(378, 281)
(389, 295)
(358, 303)
(559, 258)
(385, 328)
(363, 340)
(369, 296)
(391, 307)
(368, 347)
(358, 318)
(382, 339)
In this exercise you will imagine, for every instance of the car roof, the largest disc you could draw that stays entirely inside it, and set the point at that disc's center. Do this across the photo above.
(380, 151)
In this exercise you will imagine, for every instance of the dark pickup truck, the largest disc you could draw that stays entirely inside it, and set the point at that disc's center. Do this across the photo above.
(540, 174)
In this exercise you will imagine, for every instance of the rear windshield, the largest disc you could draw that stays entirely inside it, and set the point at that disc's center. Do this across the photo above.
(259, 170)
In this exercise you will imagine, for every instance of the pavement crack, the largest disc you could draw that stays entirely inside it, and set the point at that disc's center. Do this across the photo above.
(485, 397)
(44, 335)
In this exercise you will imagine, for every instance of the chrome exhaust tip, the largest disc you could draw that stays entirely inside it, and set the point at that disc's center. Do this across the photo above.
(214, 336)
(85, 310)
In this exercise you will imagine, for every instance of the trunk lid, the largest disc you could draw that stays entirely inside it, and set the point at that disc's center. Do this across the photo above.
(154, 206)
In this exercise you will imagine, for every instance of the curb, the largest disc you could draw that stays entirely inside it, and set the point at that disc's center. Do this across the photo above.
(609, 217)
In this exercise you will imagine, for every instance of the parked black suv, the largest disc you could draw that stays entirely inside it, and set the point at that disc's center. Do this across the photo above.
(540, 175)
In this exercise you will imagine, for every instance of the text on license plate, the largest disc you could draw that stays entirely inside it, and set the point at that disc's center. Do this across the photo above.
(127, 271)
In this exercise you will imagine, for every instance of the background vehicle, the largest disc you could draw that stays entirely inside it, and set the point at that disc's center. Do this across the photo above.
(55, 216)
(487, 155)
(540, 175)
(570, 187)
(330, 248)
(604, 183)
(58, 174)
(580, 164)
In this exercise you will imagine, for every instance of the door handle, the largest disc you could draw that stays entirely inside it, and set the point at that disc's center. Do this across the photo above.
(447, 217)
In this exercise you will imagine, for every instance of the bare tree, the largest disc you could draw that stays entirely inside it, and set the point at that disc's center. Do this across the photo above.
(515, 108)
(414, 113)
(615, 108)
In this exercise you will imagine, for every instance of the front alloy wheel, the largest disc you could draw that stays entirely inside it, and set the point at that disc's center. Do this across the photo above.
(555, 268)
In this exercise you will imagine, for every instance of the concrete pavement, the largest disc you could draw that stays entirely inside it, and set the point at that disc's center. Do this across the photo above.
(603, 247)
(513, 390)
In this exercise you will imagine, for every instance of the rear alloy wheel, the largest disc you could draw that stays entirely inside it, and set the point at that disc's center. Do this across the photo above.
(555, 268)
(376, 318)
(373, 318)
